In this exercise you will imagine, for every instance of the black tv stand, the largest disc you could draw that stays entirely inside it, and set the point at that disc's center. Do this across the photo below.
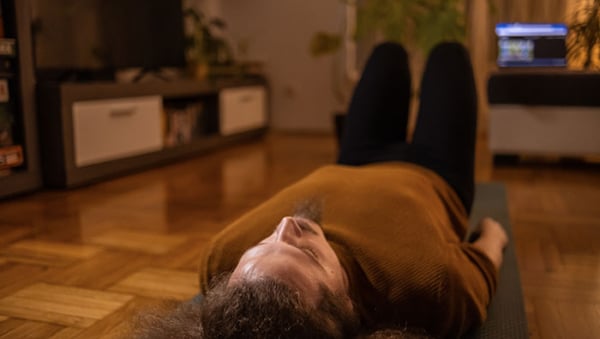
(74, 153)
(154, 72)
(74, 75)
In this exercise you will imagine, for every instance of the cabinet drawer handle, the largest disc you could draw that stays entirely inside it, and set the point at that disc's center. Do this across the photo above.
(246, 98)
(122, 113)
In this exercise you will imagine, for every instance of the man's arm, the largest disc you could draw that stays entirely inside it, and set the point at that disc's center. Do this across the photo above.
(472, 278)
(492, 240)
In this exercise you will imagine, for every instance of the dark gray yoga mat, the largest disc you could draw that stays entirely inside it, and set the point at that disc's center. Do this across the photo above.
(506, 313)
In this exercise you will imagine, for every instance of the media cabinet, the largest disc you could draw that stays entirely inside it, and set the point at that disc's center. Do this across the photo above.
(544, 112)
(90, 131)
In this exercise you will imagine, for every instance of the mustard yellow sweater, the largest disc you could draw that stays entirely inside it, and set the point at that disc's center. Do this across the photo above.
(397, 229)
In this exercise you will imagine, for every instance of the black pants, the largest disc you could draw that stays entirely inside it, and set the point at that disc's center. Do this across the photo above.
(375, 127)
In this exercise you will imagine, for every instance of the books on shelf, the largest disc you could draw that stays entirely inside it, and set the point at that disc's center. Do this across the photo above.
(11, 153)
(181, 124)
(7, 47)
(7, 56)
(11, 156)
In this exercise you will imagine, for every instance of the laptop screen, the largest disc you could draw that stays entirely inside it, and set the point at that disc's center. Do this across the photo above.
(531, 45)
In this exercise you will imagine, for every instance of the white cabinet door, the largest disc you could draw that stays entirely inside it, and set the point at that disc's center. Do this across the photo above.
(242, 109)
(111, 129)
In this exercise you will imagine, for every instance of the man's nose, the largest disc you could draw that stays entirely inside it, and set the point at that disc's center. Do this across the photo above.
(288, 231)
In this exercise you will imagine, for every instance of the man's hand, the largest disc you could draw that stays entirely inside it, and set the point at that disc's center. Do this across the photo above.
(492, 240)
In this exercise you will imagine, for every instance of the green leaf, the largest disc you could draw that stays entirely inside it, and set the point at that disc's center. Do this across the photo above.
(323, 43)
(584, 34)
(423, 23)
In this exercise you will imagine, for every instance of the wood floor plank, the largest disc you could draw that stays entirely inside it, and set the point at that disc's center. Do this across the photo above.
(160, 283)
(187, 256)
(143, 207)
(28, 330)
(139, 241)
(56, 306)
(47, 253)
(38, 260)
(119, 323)
(66, 333)
(13, 276)
(8, 324)
(530, 312)
(54, 248)
(73, 292)
(560, 293)
(62, 305)
(33, 313)
(104, 303)
(100, 271)
(568, 319)
(11, 233)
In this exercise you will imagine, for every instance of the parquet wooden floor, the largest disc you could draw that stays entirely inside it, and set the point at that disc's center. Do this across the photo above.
(81, 263)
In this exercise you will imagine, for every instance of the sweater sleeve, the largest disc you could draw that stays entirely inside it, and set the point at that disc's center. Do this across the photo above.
(471, 283)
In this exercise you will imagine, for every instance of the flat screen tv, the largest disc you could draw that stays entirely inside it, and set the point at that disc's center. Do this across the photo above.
(531, 45)
(74, 37)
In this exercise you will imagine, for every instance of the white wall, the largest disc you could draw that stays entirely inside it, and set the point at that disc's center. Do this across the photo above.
(279, 33)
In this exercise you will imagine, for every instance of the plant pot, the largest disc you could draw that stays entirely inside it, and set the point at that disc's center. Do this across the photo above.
(199, 71)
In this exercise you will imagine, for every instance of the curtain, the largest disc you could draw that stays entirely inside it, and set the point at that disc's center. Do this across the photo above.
(539, 11)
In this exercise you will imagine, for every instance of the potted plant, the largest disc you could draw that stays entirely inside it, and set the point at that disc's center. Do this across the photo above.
(204, 47)
(414, 23)
(417, 24)
(583, 40)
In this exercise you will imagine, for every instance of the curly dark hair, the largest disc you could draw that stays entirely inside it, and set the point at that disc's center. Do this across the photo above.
(268, 308)
(264, 308)
(169, 319)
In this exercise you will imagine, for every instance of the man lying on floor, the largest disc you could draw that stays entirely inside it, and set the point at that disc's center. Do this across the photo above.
(374, 242)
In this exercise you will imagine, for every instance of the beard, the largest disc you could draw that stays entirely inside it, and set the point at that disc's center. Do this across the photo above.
(310, 209)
